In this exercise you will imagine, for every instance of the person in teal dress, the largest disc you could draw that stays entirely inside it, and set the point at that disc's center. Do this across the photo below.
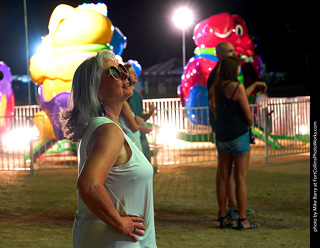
(135, 102)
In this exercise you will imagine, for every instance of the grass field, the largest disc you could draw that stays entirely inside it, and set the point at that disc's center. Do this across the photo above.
(37, 212)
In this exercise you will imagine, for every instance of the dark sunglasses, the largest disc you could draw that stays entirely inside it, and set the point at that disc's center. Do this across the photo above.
(117, 73)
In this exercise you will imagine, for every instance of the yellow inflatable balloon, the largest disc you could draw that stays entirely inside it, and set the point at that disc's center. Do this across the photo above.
(75, 34)
(3, 107)
(42, 122)
(70, 26)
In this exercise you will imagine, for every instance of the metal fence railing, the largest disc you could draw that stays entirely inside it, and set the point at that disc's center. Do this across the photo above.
(288, 125)
(281, 127)
(23, 148)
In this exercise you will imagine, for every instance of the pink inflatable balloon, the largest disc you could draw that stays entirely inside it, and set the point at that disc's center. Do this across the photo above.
(196, 72)
(207, 35)
(224, 27)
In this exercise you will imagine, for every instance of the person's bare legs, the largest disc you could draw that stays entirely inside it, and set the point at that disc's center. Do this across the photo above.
(223, 174)
(240, 175)
(231, 189)
(231, 197)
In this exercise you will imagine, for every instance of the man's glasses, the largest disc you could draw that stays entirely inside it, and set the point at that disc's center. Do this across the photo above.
(117, 73)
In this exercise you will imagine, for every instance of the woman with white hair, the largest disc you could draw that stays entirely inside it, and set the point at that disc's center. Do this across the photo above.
(115, 198)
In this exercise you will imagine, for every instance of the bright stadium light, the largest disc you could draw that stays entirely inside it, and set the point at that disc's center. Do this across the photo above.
(183, 18)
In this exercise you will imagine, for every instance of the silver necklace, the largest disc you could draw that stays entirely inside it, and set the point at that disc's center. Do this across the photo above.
(104, 114)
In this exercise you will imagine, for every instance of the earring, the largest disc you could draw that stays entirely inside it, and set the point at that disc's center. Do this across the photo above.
(102, 111)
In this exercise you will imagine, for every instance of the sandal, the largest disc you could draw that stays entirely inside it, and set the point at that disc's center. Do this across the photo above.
(223, 223)
(242, 228)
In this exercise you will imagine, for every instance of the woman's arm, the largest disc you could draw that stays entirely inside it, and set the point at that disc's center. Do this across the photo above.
(242, 98)
(147, 115)
(260, 86)
(129, 118)
(145, 129)
(101, 157)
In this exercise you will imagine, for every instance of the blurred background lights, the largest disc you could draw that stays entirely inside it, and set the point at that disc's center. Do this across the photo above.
(167, 134)
(183, 17)
(304, 129)
(19, 139)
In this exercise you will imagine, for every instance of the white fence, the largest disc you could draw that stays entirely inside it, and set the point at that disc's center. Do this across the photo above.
(177, 140)
(283, 122)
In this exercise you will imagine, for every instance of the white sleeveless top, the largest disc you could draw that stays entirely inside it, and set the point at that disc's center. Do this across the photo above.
(135, 136)
(130, 187)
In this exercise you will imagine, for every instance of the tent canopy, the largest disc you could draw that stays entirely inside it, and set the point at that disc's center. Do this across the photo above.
(171, 67)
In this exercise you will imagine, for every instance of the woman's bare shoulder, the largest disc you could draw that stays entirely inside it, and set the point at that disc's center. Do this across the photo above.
(107, 132)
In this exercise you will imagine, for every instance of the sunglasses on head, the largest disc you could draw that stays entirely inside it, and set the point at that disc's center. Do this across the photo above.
(117, 73)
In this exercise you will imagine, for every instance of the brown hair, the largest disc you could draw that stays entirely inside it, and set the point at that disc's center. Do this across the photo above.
(228, 70)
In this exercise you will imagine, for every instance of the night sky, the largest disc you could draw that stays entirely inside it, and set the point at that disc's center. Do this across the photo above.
(282, 30)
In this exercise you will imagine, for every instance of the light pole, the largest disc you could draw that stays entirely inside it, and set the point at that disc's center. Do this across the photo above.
(183, 18)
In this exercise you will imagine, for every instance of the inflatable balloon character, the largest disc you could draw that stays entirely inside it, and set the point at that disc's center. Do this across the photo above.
(74, 35)
(118, 42)
(136, 66)
(207, 35)
(6, 97)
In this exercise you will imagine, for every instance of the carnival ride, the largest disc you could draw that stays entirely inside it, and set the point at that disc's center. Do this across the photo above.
(7, 100)
(68, 44)
(207, 35)
(75, 34)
